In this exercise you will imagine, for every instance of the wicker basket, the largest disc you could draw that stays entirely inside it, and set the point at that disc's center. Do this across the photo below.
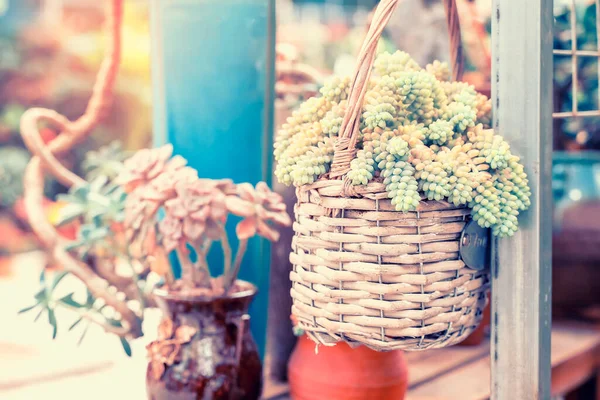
(364, 273)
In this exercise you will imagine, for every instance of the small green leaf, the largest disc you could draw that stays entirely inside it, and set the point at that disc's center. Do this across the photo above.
(83, 252)
(83, 333)
(84, 231)
(24, 310)
(68, 300)
(41, 296)
(39, 314)
(74, 324)
(70, 213)
(122, 196)
(89, 302)
(59, 278)
(72, 245)
(98, 183)
(114, 322)
(43, 276)
(99, 233)
(52, 321)
(110, 189)
(126, 346)
(81, 191)
(119, 217)
(66, 198)
(95, 217)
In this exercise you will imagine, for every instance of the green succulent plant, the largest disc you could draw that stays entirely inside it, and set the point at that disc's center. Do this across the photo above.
(97, 205)
(90, 310)
(156, 206)
(422, 136)
(99, 199)
(106, 161)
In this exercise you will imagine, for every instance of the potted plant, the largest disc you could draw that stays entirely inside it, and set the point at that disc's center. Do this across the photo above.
(120, 225)
(157, 206)
(204, 345)
(393, 167)
(133, 218)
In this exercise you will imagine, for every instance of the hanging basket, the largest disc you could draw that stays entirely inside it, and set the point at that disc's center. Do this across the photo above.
(366, 274)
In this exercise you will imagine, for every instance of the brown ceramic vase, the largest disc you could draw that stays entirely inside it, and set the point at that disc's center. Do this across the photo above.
(204, 350)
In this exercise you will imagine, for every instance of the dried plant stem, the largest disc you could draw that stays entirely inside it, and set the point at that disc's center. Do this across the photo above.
(201, 265)
(135, 280)
(227, 253)
(95, 317)
(106, 270)
(239, 256)
(44, 158)
(188, 274)
(169, 277)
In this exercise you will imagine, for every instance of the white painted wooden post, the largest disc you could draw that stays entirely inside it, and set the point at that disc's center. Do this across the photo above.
(521, 271)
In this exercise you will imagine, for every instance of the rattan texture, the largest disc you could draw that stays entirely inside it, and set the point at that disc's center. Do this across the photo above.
(366, 274)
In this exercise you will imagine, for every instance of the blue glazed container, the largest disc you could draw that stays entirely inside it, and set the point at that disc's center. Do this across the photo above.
(213, 63)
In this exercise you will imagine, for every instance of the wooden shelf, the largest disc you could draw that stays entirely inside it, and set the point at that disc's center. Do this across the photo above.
(575, 359)
(33, 366)
(463, 373)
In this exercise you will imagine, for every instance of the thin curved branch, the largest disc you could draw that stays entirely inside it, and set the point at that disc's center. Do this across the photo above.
(33, 140)
(99, 104)
(44, 158)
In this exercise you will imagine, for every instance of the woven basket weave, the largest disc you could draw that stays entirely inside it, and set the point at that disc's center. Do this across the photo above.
(367, 274)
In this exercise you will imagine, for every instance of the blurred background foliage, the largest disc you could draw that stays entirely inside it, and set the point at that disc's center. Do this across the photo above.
(50, 52)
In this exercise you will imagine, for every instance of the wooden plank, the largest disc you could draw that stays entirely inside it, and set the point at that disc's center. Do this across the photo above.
(22, 366)
(569, 339)
(433, 376)
(428, 365)
(28, 355)
(469, 382)
(573, 361)
(575, 357)
(574, 372)
(125, 380)
(274, 389)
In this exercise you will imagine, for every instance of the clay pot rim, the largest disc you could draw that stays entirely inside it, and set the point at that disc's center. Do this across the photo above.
(248, 290)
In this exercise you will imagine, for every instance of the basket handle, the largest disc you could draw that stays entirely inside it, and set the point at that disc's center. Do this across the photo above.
(345, 146)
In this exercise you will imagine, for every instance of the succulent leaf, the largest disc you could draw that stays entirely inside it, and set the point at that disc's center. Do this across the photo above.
(416, 128)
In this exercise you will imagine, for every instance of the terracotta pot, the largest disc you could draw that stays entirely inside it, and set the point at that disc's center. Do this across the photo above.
(343, 373)
(480, 81)
(204, 349)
